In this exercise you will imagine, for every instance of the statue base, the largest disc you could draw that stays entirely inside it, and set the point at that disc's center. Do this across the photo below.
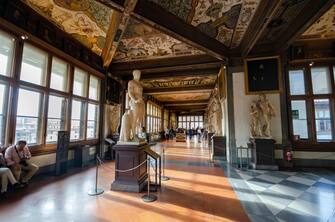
(263, 154)
(219, 146)
(128, 156)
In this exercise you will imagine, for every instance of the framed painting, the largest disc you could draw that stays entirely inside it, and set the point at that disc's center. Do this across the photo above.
(222, 82)
(262, 75)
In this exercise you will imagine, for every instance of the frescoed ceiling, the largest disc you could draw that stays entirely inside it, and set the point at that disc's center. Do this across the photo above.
(227, 21)
(141, 42)
(179, 82)
(323, 28)
(86, 20)
(183, 96)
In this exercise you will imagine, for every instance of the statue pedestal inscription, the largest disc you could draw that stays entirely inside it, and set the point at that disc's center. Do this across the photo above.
(219, 146)
(263, 154)
(129, 156)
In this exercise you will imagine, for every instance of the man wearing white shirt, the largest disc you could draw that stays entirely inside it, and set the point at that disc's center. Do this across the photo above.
(17, 159)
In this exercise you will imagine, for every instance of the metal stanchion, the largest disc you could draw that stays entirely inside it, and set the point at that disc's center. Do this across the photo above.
(96, 191)
(164, 178)
(149, 197)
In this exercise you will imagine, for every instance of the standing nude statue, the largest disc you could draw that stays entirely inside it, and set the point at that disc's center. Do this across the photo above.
(133, 119)
(268, 112)
(255, 129)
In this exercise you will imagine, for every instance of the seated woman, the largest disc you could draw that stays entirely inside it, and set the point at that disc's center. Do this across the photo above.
(5, 175)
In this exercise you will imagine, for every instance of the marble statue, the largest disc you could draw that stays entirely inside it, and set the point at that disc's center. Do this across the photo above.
(268, 113)
(126, 133)
(261, 113)
(114, 118)
(133, 119)
(255, 129)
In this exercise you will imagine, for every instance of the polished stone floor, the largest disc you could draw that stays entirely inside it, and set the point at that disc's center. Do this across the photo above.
(197, 191)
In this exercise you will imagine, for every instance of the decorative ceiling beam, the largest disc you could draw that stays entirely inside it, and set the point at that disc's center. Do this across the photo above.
(308, 15)
(264, 14)
(186, 103)
(189, 108)
(116, 29)
(166, 62)
(179, 90)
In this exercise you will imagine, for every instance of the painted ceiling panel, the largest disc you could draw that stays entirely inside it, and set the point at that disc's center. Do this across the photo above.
(323, 28)
(182, 97)
(141, 42)
(179, 82)
(86, 20)
(225, 21)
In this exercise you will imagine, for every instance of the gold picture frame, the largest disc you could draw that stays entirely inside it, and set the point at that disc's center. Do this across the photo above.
(257, 78)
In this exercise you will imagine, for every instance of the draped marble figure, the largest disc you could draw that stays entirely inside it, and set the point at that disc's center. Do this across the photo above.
(133, 119)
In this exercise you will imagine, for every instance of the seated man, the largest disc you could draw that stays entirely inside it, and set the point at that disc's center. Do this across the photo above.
(5, 175)
(17, 157)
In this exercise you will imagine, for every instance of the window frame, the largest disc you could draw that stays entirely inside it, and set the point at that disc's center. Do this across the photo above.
(14, 83)
(311, 144)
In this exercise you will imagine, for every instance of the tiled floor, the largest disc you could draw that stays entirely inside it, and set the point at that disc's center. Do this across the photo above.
(306, 195)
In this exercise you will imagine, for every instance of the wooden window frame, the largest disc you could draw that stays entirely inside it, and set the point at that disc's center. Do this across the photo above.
(312, 144)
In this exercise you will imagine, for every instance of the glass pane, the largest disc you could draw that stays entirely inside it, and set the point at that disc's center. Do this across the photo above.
(320, 80)
(77, 125)
(200, 118)
(299, 118)
(297, 82)
(179, 118)
(201, 125)
(196, 118)
(92, 121)
(56, 117)
(2, 98)
(323, 119)
(34, 63)
(28, 114)
(59, 73)
(28, 103)
(80, 82)
(94, 88)
(6, 54)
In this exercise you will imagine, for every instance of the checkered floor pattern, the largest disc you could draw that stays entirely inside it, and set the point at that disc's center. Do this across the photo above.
(307, 195)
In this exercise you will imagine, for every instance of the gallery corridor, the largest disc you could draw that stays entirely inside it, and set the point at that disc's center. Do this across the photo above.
(197, 191)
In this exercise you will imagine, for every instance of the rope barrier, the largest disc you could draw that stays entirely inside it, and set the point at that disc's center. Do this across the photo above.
(122, 171)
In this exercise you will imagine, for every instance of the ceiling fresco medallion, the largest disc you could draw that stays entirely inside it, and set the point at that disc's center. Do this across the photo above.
(182, 97)
(86, 20)
(324, 27)
(179, 82)
(141, 42)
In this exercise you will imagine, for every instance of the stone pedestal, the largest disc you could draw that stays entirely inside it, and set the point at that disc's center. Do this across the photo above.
(219, 146)
(127, 157)
(263, 154)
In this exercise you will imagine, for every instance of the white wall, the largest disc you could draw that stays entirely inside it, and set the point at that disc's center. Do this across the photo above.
(241, 112)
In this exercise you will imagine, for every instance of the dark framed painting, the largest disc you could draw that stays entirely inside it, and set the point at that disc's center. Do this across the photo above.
(222, 82)
(262, 75)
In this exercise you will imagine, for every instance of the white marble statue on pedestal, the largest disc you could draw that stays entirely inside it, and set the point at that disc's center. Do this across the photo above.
(261, 113)
(133, 119)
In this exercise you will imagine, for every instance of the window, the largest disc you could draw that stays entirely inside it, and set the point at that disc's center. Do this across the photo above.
(3, 112)
(80, 83)
(34, 65)
(297, 82)
(323, 120)
(28, 116)
(56, 117)
(59, 75)
(190, 122)
(299, 117)
(77, 120)
(312, 104)
(154, 116)
(321, 80)
(6, 54)
(94, 88)
(92, 121)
